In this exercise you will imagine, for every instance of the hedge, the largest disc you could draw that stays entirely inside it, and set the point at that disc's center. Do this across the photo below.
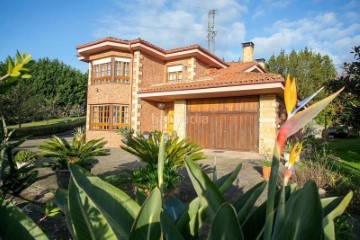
(48, 129)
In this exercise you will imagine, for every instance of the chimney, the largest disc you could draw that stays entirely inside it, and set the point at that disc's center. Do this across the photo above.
(247, 52)
(261, 62)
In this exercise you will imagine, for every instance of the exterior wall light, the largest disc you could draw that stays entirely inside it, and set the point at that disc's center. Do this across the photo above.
(161, 105)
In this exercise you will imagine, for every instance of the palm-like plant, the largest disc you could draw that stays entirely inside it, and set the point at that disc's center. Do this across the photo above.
(147, 149)
(78, 152)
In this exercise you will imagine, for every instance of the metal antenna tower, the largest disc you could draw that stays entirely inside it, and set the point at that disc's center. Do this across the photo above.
(211, 31)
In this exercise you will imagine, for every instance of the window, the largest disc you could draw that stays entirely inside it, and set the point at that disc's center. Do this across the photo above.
(174, 73)
(103, 70)
(122, 70)
(109, 117)
(120, 116)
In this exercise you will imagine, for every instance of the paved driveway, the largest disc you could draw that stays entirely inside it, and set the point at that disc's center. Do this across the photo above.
(226, 161)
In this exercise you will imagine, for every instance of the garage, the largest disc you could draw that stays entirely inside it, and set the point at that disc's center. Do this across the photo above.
(224, 123)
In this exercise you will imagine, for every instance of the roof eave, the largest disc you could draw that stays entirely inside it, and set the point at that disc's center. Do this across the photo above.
(224, 91)
(106, 44)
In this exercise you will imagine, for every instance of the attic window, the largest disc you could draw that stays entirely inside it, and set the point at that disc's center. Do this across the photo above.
(174, 73)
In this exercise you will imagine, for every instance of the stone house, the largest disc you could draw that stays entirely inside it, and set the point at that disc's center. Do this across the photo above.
(220, 105)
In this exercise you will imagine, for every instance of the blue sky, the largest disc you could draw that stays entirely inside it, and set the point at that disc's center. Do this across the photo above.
(53, 29)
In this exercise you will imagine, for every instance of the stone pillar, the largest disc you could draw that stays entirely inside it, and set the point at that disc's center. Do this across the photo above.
(135, 115)
(180, 118)
(191, 69)
(267, 123)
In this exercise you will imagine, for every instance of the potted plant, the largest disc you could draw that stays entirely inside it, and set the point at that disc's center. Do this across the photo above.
(266, 169)
(146, 148)
(77, 152)
(24, 157)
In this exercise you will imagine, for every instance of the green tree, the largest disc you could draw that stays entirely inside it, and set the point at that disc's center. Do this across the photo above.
(58, 81)
(346, 108)
(20, 104)
(54, 90)
(311, 70)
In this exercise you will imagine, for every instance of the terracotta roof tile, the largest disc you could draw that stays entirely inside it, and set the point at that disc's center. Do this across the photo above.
(234, 67)
(139, 40)
(102, 40)
(224, 80)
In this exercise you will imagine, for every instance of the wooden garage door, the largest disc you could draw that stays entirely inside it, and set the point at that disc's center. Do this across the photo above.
(224, 123)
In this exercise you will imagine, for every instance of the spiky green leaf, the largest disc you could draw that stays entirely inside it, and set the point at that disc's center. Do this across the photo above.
(245, 204)
(210, 197)
(120, 209)
(303, 215)
(225, 224)
(15, 224)
(168, 228)
(333, 208)
(147, 223)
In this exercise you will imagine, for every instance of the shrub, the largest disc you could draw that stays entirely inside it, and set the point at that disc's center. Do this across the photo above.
(266, 163)
(126, 132)
(78, 152)
(49, 129)
(146, 178)
(25, 156)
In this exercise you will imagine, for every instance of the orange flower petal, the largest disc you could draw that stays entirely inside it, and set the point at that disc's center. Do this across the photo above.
(290, 95)
(295, 153)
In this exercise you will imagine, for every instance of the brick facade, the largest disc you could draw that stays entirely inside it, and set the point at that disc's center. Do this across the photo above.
(148, 68)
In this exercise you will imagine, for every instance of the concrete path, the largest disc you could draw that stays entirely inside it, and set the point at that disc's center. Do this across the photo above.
(226, 161)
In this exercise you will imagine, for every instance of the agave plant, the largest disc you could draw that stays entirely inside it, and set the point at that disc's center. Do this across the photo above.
(78, 151)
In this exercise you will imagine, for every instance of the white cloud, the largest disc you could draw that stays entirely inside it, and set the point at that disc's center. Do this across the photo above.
(170, 24)
(175, 24)
(323, 33)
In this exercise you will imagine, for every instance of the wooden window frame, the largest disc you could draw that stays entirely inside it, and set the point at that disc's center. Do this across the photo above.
(178, 73)
(102, 71)
(108, 116)
(111, 68)
(124, 72)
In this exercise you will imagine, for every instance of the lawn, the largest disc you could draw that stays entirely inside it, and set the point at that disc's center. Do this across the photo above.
(348, 150)
(47, 122)
(52, 126)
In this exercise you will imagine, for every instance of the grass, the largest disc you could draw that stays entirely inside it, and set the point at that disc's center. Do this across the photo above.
(50, 127)
(348, 150)
(47, 122)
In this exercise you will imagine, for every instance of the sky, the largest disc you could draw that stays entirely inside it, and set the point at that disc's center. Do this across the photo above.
(53, 29)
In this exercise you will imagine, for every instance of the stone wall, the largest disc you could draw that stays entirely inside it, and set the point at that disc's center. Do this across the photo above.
(267, 123)
(180, 117)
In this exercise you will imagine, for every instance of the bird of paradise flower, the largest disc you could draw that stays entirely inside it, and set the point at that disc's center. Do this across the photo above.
(296, 120)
